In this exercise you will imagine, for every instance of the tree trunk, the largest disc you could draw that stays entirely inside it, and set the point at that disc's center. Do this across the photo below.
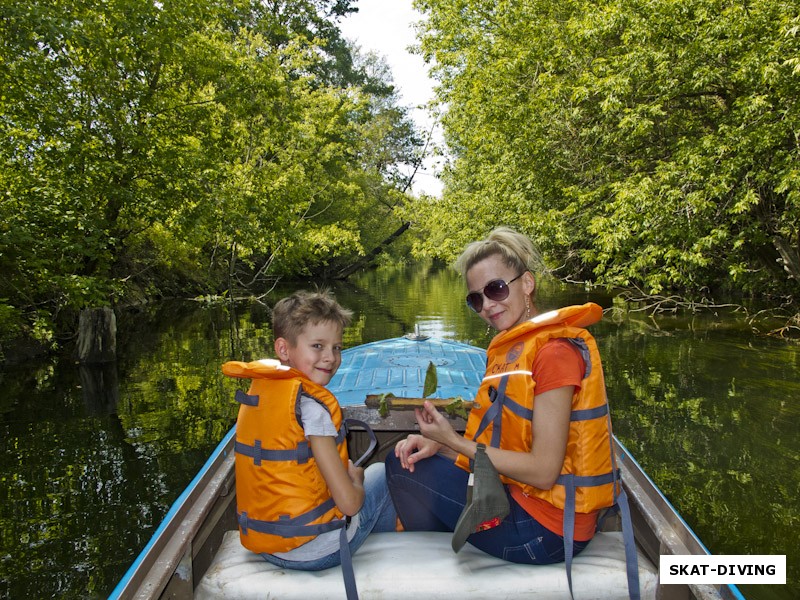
(789, 256)
(366, 260)
(97, 336)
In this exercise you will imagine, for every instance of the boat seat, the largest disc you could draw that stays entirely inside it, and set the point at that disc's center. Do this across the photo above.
(423, 565)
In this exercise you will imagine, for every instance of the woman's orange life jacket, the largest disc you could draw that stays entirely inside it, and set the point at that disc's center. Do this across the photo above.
(504, 411)
(282, 499)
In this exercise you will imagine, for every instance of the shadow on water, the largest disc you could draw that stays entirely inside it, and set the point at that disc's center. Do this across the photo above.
(93, 457)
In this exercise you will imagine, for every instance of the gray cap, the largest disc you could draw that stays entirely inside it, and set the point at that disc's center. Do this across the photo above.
(486, 499)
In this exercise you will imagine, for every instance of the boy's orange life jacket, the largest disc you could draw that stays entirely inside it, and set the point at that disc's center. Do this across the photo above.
(504, 411)
(282, 498)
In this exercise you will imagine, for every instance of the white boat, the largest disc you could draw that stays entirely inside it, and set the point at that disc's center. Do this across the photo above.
(195, 552)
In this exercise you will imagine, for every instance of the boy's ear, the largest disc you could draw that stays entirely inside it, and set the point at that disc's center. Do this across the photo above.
(282, 348)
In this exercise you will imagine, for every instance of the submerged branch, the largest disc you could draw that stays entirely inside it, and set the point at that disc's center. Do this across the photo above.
(761, 322)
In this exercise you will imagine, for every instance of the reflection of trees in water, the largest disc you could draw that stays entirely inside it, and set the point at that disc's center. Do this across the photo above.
(707, 416)
(373, 300)
(100, 388)
(68, 497)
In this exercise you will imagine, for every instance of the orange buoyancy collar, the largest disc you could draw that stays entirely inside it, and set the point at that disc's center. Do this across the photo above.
(282, 498)
(504, 410)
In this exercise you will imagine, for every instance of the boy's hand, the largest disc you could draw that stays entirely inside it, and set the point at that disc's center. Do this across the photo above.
(356, 473)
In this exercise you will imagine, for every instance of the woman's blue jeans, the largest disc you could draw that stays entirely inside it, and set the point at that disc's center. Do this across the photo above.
(377, 514)
(433, 496)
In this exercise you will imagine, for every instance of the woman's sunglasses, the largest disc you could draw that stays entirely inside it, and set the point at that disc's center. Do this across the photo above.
(496, 290)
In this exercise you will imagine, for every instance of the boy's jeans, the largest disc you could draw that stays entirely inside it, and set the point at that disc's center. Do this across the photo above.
(377, 514)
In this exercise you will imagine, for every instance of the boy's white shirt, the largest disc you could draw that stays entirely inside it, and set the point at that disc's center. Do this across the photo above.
(317, 421)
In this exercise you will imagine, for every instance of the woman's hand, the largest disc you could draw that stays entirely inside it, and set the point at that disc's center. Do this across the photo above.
(434, 426)
(414, 449)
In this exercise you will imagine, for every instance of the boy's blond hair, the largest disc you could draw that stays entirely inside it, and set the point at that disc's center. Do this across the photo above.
(293, 313)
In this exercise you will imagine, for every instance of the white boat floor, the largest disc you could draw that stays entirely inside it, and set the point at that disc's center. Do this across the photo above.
(405, 565)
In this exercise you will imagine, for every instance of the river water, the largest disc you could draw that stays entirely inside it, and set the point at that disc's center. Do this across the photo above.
(92, 458)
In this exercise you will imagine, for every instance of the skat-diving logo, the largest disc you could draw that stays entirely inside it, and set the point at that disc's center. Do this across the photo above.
(515, 352)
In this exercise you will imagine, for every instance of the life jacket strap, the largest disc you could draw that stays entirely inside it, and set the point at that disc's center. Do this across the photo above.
(341, 435)
(587, 414)
(571, 483)
(500, 400)
(499, 395)
(494, 414)
(568, 480)
(631, 558)
(347, 566)
(248, 399)
(301, 453)
(373, 440)
(298, 526)
(581, 346)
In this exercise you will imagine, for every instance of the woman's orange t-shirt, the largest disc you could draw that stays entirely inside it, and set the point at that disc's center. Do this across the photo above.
(556, 365)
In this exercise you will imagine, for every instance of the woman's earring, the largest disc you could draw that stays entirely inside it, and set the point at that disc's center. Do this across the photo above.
(488, 329)
(527, 307)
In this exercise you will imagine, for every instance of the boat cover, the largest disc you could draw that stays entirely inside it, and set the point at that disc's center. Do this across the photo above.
(422, 565)
(399, 365)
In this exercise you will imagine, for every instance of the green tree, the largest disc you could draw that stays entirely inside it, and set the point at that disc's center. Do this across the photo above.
(182, 147)
(106, 131)
(641, 143)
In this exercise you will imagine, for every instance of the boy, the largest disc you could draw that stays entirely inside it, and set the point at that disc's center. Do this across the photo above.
(298, 494)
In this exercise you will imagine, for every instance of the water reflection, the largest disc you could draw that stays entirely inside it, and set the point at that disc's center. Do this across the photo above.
(91, 461)
(100, 388)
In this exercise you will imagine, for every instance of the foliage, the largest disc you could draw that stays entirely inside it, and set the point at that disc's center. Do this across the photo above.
(183, 147)
(383, 403)
(431, 380)
(644, 143)
(458, 408)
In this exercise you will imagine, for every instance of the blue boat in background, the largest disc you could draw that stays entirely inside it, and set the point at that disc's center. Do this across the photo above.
(195, 552)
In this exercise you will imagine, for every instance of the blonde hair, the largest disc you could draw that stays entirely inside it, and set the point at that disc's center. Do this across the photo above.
(515, 249)
(293, 313)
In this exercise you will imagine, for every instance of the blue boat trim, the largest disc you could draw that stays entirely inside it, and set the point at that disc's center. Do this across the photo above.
(220, 450)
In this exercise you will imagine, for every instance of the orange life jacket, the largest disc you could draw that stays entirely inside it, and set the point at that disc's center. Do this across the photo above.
(282, 498)
(504, 411)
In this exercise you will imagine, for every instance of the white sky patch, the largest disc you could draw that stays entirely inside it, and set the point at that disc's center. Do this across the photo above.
(386, 28)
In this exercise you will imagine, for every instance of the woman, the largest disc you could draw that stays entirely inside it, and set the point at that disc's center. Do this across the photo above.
(541, 414)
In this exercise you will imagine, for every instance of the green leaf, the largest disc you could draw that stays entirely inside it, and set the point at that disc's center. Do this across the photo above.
(383, 404)
(431, 381)
(458, 408)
